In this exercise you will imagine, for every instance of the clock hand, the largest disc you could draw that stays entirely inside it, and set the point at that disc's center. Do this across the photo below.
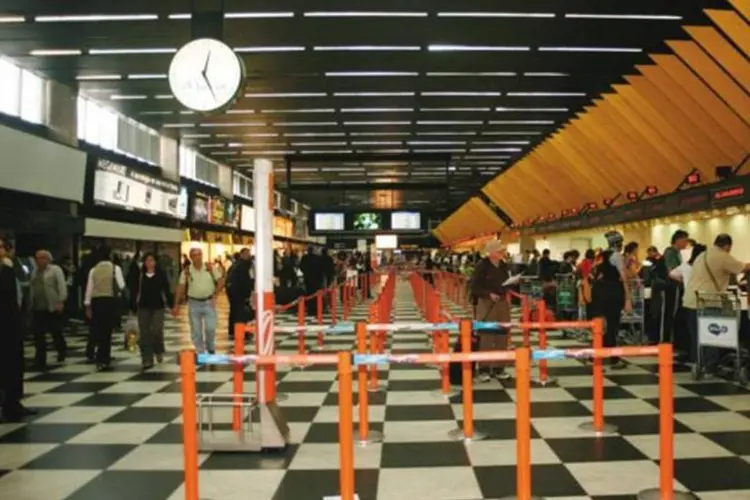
(210, 88)
(205, 65)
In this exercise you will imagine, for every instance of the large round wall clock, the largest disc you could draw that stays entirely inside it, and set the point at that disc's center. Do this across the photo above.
(206, 75)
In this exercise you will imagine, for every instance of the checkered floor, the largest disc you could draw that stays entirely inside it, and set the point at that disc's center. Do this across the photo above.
(117, 435)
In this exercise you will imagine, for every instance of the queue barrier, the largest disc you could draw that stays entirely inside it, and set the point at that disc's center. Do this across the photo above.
(522, 358)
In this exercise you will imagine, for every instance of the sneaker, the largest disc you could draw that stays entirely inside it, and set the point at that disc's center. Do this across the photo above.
(484, 377)
(159, 358)
(502, 375)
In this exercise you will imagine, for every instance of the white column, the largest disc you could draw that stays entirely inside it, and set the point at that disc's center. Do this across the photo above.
(265, 342)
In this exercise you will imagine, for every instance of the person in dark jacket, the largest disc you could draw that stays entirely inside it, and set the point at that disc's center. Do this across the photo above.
(152, 297)
(488, 292)
(312, 275)
(240, 286)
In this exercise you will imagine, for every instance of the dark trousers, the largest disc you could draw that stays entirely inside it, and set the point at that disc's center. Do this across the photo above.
(42, 323)
(608, 301)
(239, 312)
(103, 320)
(671, 305)
(151, 334)
(11, 364)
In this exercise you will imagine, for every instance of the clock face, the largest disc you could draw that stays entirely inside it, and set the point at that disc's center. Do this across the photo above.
(205, 75)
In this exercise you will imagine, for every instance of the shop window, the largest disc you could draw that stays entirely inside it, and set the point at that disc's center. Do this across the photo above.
(32, 97)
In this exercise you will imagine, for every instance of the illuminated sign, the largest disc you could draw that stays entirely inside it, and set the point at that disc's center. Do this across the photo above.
(728, 193)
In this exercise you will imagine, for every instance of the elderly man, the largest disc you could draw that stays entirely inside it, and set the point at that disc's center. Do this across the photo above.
(488, 293)
(48, 291)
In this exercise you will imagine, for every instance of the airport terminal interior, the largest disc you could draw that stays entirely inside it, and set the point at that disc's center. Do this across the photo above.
(541, 208)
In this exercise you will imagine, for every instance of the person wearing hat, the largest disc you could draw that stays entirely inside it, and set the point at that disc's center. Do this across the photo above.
(488, 295)
(610, 293)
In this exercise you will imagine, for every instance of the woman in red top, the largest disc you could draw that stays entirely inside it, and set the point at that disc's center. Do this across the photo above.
(587, 264)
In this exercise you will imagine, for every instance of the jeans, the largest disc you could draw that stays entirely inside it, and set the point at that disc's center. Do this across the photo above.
(151, 334)
(202, 316)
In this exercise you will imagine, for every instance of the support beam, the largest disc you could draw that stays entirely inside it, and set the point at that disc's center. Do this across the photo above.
(495, 209)
(375, 186)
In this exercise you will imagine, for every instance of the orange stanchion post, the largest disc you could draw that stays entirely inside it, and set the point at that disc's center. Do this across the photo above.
(345, 300)
(189, 424)
(598, 426)
(526, 318)
(544, 379)
(333, 304)
(468, 433)
(238, 376)
(301, 347)
(346, 428)
(445, 348)
(374, 347)
(523, 424)
(366, 436)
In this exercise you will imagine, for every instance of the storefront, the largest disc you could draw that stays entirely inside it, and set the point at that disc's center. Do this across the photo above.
(214, 225)
(133, 210)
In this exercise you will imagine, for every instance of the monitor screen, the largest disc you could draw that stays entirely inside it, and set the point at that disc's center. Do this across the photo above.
(386, 241)
(406, 221)
(368, 222)
(329, 222)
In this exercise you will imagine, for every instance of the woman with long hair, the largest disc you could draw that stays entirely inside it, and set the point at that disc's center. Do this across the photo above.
(153, 297)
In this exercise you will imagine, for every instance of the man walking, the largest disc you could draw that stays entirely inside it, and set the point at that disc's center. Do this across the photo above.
(48, 292)
(200, 284)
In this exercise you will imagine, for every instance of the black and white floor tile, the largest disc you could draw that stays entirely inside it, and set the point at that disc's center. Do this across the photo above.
(117, 435)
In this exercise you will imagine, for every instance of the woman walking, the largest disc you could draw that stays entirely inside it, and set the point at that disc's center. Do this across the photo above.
(153, 297)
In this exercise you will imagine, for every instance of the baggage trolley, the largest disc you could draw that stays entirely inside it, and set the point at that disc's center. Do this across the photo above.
(633, 331)
(566, 299)
(719, 315)
(531, 286)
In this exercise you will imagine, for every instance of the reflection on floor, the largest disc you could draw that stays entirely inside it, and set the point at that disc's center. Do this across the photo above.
(117, 435)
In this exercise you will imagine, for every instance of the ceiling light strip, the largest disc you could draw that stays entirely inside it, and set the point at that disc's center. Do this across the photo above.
(55, 52)
(477, 48)
(632, 17)
(367, 48)
(469, 73)
(546, 94)
(144, 51)
(84, 78)
(533, 15)
(377, 110)
(364, 14)
(373, 94)
(266, 50)
(95, 18)
(370, 73)
(592, 49)
(461, 94)
(147, 76)
(264, 95)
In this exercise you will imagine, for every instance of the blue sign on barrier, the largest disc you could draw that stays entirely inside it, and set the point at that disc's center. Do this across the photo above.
(549, 354)
(486, 325)
(213, 359)
(370, 359)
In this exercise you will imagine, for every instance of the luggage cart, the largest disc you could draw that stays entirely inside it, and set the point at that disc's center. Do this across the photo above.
(214, 413)
(566, 299)
(634, 323)
(531, 286)
(719, 316)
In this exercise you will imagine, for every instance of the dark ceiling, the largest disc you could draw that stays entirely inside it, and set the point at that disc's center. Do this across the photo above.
(388, 103)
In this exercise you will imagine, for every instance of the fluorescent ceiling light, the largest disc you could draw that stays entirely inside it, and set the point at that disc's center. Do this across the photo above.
(590, 49)
(364, 14)
(546, 94)
(187, 112)
(147, 76)
(162, 97)
(487, 157)
(113, 52)
(366, 48)
(374, 124)
(96, 18)
(503, 143)
(511, 132)
(299, 111)
(469, 73)
(258, 15)
(263, 134)
(255, 145)
(461, 94)
(178, 125)
(446, 133)
(373, 94)
(371, 73)
(376, 143)
(637, 17)
(377, 110)
(315, 134)
(380, 134)
(269, 153)
(285, 94)
(98, 77)
(12, 19)
(326, 152)
(435, 143)
(477, 48)
(260, 50)
(440, 122)
(496, 150)
(430, 150)
(305, 124)
(180, 16)
(387, 151)
(522, 122)
(196, 136)
(157, 113)
(56, 52)
(121, 97)
(316, 144)
(233, 124)
(223, 153)
(550, 74)
(538, 15)
(454, 110)
(533, 110)
(240, 112)
(487, 162)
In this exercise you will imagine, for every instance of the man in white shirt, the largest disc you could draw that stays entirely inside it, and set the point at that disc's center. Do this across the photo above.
(103, 289)
(200, 284)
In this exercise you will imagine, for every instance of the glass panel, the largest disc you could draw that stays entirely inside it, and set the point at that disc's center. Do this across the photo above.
(32, 97)
(10, 88)
(81, 117)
